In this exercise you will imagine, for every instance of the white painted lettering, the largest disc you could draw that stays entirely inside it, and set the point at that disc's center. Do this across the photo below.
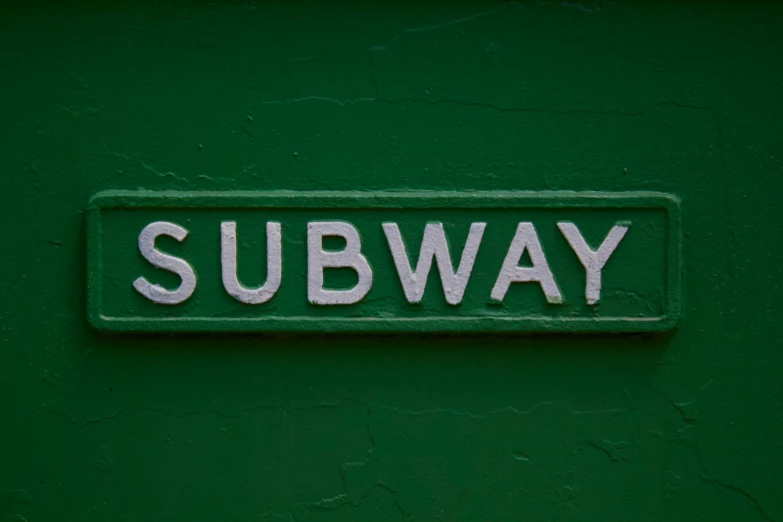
(228, 260)
(526, 238)
(351, 257)
(434, 244)
(593, 261)
(156, 293)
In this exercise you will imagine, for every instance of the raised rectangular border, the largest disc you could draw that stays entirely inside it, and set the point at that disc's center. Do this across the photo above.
(385, 200)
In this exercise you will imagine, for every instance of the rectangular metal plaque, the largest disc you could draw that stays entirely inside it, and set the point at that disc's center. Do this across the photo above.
(384, 261)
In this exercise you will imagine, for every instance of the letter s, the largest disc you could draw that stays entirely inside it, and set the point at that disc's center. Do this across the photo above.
(156, 293)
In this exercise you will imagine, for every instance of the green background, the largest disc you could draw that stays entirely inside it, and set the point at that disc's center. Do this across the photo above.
(679, 97)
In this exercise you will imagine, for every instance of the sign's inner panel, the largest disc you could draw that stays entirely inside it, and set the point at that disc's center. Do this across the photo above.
(633, 280)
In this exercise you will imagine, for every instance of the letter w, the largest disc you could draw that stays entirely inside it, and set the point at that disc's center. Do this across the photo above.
(434, 244)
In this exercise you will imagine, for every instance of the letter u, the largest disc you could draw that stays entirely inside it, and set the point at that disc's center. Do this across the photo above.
(228, 261)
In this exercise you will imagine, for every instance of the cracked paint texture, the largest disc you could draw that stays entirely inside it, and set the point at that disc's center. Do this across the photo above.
(678, 97)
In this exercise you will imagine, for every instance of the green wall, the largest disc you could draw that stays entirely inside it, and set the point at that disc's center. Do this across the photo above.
(680, 97)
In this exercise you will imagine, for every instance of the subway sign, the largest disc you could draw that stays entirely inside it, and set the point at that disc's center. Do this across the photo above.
(442, 262)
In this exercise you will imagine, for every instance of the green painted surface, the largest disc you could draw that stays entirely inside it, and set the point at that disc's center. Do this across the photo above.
(641, 283)
(680, 97)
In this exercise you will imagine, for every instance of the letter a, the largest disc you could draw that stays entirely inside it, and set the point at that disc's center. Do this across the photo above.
(526, 238)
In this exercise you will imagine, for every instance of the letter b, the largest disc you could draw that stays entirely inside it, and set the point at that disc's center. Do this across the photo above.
(351, 257)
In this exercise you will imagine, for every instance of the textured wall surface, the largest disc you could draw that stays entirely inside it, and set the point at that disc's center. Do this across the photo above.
(681, 97)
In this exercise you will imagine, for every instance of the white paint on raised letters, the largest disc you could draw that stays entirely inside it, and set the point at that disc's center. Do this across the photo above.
(351, 257)
(434, 244)
(157, 293)
(526, 238)
(228, 260)
(593, 261)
